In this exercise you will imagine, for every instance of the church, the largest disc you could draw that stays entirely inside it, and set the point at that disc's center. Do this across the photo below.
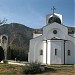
(54, 43)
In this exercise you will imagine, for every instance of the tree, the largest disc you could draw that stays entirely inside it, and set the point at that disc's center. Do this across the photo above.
(1, 54)
(9, 53)
(3, 21)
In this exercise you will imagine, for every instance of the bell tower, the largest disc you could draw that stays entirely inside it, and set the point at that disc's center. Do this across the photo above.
(4, 44)
(54, 17)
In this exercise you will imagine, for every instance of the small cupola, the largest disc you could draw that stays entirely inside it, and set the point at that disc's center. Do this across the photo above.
(54, 17)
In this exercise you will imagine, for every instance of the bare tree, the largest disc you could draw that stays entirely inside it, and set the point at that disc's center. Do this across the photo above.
(3, 21)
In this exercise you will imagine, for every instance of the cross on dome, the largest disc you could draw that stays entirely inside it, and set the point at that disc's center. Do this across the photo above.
(53, 8)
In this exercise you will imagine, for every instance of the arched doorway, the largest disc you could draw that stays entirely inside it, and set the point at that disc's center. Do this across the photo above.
(1, 54)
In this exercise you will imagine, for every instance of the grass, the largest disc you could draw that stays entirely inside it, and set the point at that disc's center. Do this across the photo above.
(60, 70)
(7, 69)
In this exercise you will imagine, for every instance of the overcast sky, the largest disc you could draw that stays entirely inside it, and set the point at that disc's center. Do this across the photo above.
(32, 13)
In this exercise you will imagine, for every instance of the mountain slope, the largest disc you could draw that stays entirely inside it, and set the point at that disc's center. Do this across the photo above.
(18, 35)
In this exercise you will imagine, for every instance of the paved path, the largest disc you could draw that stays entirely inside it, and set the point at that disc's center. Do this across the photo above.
(23, 63)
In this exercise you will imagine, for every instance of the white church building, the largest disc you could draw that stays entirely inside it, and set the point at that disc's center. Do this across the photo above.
(54, 43)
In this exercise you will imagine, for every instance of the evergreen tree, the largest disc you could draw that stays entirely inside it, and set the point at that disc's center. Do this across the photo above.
(1, 54)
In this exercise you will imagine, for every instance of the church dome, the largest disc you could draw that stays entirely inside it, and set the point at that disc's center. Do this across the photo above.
(54, 18)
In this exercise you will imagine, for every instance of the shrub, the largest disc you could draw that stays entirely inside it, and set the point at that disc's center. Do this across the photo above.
(32, 68)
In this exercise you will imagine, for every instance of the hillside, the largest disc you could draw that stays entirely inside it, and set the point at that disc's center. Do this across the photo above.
(18, 34)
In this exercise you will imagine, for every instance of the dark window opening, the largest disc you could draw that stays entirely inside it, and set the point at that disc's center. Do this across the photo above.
(55, 31)
(41, 52)
(69, 53)
(55, 51)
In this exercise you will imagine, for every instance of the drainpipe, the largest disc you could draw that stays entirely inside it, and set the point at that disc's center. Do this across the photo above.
(64, 50)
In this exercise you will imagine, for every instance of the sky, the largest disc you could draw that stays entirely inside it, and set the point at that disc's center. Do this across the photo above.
(32, 13)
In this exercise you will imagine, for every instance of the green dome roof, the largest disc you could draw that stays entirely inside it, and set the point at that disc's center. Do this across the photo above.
(54, 18)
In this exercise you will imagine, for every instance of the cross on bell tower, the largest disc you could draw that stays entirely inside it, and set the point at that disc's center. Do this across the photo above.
(53, 8)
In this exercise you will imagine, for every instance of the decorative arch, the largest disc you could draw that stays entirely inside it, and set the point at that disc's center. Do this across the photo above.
(4, 39)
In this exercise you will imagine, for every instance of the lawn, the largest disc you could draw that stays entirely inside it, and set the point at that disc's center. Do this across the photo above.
(6, 69)
(60, 70)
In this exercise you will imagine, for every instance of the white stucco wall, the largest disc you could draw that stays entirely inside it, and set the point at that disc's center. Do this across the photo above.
(38, 43)
(59, 58)
(74, 50)
(48, 52)
(34, 50)
(69, 58)
(36, 35)
(72, 35)
(62, 31)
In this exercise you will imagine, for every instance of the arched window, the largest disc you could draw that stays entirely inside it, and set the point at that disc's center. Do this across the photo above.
(69, 52)
(55, 51)
(41, 52)
(4, 39)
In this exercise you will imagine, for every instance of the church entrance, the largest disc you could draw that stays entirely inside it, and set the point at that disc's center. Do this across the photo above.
(1, 54)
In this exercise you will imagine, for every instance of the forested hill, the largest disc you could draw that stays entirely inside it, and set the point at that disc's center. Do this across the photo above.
(19, 36)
